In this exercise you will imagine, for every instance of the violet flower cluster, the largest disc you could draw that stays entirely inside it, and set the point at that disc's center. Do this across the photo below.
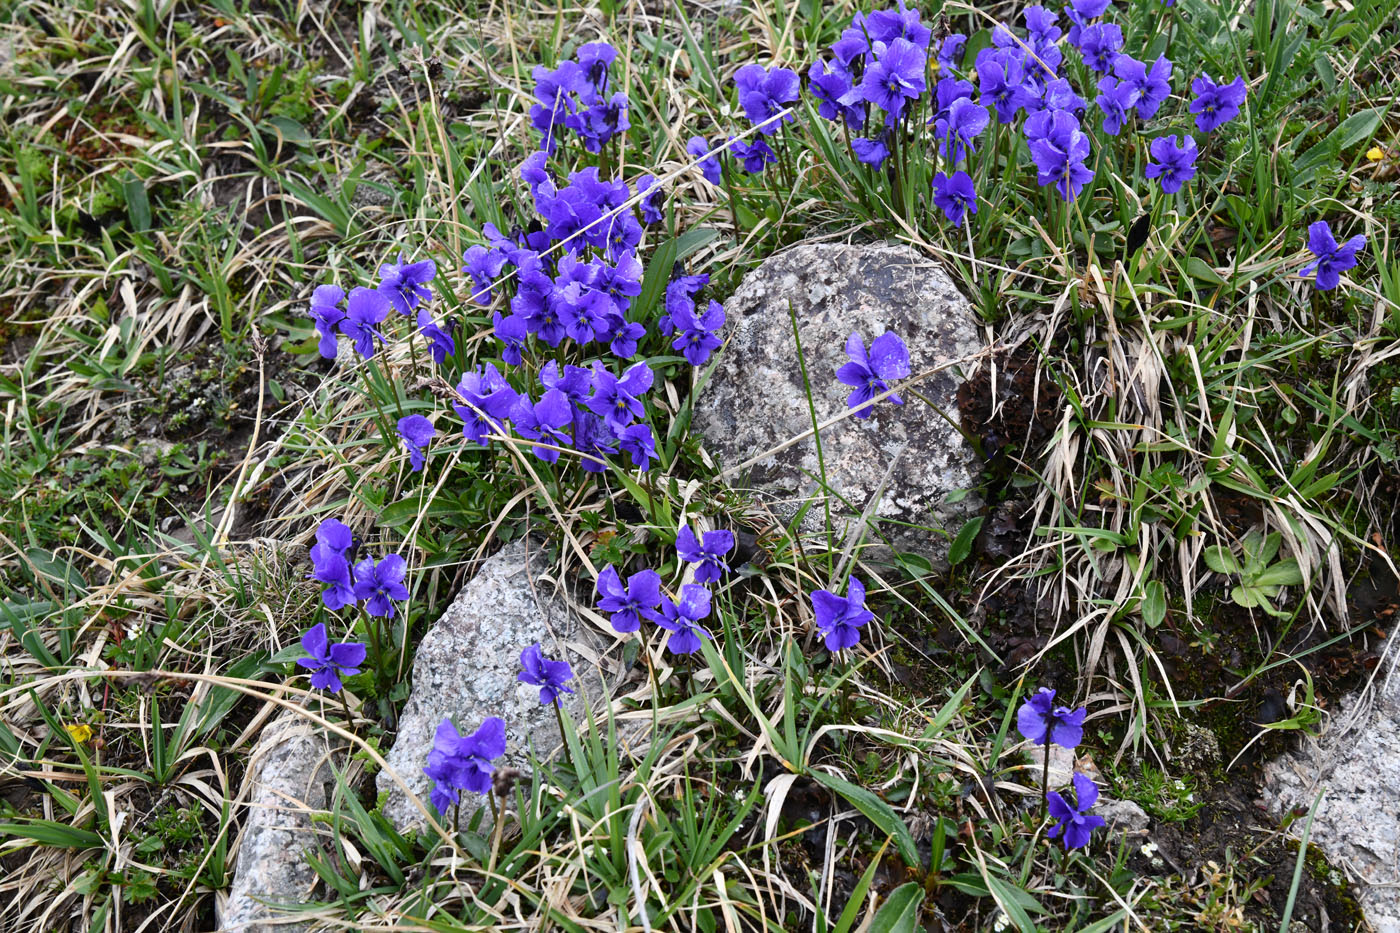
(379, 584)
(1043, 722)
(641, 597)
(592, 411)
(880, 72)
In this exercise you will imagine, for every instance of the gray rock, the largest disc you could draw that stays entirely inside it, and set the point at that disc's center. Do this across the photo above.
(1122, 816)
(290, 777)
(1355, 761)
(1060, 772)
(466, 668)
(755, 400)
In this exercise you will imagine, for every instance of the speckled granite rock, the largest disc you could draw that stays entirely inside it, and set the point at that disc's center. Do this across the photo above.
(466, 668)
(291, 771)
(1356, 760)
(755, 399)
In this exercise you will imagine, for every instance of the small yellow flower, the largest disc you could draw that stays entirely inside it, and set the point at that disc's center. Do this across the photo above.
(1375, 153)
(80, 732)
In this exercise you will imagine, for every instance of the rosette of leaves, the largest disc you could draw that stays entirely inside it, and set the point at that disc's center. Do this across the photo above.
(1261, 577)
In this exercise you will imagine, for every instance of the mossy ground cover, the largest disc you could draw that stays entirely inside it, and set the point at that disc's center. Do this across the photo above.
(1167, 390)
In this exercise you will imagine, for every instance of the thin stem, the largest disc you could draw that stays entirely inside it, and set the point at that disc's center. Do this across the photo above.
(498, 810)
(563, 738)
(1045, 779)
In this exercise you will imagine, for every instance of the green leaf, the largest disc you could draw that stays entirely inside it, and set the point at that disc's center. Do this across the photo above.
(1154, 603)
(875, 810)
(1219, 559)
(1017, 903)
(52, 834)
(1355, 128)
(961, 547)
(857, 898)
(1245, 596)
(1283, 573)
(900, 914)
(138, 205)
(1199, 269)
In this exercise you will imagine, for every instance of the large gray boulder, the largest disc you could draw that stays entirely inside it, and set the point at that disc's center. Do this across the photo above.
(290, 774)
(1355, 761)
(755, 401)
(466, 668)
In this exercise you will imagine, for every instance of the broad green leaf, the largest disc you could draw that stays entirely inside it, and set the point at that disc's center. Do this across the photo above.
(962, 544)
(1219, 559)
(1154, 603)
(1283, 573)
(900, 914)
(1198, 268)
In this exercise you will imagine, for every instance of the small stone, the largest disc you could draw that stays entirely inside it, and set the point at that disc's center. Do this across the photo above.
(1061, 766)
(291, 775)
(466, 666)
(1122, 816)
(911, 456)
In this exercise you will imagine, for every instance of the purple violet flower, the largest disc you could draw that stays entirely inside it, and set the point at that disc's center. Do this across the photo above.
(709, 167)
(839, 618)
(1216, 104)
(328, 663)
(1116, 99)
(416, 432)
(895, 78)
(1173, 163)
(950, 51)
(964, 123)
(549, 676)
(365, 309)
(1076, 823)
(511, 332)
(632, 603)
(639, 443)
(326, 311)
(870, 373)
(1059, 149)
(872, 152)
(406, 283)
(330, 561)
(440, 342)
(650, 192)
(1001, 81)
(829, 82)
(696, 333)
(1153, 86)
(709, 555)
(682, 619)
(955, 196)
(545, 421)
(380, 584)
(763, 94)
(618, 400)
(1041, 722)
(463, 762)
(755, 156)
(903, 23)
(594, 59)
(1100, 44)
(1332, 259)
(483, 264)
(487, 399)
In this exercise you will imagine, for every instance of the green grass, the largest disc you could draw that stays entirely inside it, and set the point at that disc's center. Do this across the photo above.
(171, 438)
